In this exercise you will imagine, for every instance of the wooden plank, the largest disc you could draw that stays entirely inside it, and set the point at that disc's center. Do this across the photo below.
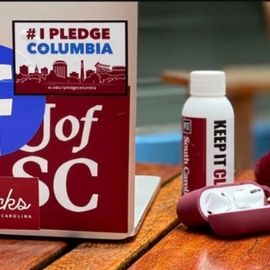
(28, 253)
(183, 249)
(160, 219)
(186, 249)
(247, 175)
(166, 172)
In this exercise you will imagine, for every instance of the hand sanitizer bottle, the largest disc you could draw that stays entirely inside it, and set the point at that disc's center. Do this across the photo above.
(208, 132)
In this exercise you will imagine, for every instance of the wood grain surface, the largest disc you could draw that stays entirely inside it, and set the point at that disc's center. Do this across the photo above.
(186, 250)
(160, 219)
(202, 250)
(23, 253)
(166, 172)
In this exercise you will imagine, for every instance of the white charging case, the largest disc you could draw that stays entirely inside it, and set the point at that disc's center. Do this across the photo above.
(232, 209)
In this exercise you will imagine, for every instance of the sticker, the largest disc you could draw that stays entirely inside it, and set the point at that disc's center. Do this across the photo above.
(70, 57)
(20, 116)
(194, 153)
(19, 204)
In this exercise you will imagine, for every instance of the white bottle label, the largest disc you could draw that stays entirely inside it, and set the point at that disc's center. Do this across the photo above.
(220, 152)
(207, 152)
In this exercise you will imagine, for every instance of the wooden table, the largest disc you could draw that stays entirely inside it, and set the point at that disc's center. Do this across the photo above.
(242, 84)
(162, 243)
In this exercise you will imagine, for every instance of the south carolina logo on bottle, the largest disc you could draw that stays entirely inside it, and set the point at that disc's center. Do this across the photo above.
(193, 153)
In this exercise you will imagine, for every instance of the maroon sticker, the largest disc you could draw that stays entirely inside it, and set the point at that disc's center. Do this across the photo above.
(80, 154)
(194, 153)
(19, 203)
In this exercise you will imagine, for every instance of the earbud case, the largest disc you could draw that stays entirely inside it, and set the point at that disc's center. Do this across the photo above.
(230, 209)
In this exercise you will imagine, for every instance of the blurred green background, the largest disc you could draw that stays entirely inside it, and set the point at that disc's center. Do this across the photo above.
(194, 35)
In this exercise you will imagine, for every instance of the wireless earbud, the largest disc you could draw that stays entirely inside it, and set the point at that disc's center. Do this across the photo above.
(218, 202)
(249, 197)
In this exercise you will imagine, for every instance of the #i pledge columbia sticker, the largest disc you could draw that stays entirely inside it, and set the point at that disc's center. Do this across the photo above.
(83, 57)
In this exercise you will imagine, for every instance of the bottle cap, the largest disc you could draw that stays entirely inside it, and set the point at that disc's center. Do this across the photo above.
(207, 83)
